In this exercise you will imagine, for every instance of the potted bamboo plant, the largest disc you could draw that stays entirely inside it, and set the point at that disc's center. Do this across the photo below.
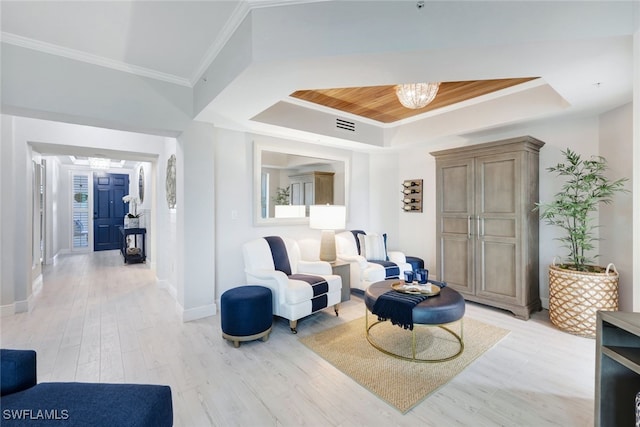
(577, 287)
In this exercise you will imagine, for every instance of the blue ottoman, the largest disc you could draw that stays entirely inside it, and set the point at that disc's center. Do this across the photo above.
(415, 262)
(246, 314)
(440, 310)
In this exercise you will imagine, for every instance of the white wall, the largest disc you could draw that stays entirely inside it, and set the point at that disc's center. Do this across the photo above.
(384, 197)
(616, 219)
(78, 92)
(196, 237)
(22, 205)
(7, 217)
(166, 229)
(53, 193)
(417, 230)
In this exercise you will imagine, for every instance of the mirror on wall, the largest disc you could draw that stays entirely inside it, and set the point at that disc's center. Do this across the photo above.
(288, 180)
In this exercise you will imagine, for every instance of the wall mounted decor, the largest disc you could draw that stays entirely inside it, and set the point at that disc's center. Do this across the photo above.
(141, 184)
(412, 195)
(171, 182)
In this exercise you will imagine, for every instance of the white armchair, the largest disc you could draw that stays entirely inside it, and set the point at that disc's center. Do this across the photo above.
(299, 287)
(372, 264)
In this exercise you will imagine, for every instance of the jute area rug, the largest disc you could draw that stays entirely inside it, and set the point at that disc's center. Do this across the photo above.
(402, 384)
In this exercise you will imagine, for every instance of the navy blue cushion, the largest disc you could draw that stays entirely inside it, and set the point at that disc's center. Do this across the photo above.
(355, 236)
(317, 283)
(89, 404)
(17, 370)
(415, 262)
(391, 269)
(446, 307)
(279, 254)
(246, 310)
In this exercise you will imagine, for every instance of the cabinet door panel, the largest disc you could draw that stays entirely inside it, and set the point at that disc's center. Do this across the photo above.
(455, 208)
(497, 273)
(457, 184)
(323, 193)
(308, 193)
(498, 227)
(497, 206)
(497, 183)
(456, 263)
(456, 225)
(296, 194)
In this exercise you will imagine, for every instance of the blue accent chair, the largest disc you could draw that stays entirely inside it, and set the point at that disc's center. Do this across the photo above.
(24, 402)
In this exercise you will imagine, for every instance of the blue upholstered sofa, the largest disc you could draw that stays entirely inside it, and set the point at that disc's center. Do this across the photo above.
(24, 402)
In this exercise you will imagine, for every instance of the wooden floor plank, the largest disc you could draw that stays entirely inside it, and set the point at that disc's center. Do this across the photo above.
(97, 319)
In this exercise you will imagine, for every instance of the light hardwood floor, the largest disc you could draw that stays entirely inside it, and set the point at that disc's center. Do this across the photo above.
(98, 320)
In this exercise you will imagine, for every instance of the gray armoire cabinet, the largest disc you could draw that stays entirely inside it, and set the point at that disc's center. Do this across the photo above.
(312, 188)
(487, 232)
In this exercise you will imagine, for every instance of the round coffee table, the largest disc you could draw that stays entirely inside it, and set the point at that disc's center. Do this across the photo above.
(440, 310)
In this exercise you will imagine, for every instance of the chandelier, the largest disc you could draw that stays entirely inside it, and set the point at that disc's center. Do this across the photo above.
(417, 95)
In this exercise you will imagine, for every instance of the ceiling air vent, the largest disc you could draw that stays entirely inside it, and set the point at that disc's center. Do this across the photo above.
(345, 125)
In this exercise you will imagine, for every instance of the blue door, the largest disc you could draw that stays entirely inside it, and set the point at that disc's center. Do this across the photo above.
(108, 210)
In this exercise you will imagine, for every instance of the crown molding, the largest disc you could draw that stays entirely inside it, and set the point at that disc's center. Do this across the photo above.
(239, 14)
(255, 4)
(101, 61)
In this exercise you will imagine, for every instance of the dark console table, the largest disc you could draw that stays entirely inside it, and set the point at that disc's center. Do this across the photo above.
(139, 253)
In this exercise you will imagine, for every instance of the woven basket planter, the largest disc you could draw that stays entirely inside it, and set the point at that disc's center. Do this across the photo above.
(576, 296)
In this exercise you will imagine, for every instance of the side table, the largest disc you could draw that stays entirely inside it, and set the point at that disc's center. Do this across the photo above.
(141, 254)
(343, 269)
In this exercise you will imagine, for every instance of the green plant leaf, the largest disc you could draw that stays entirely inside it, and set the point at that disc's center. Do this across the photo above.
(573, 209)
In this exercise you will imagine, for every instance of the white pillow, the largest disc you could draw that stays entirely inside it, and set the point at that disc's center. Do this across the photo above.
(373, 247)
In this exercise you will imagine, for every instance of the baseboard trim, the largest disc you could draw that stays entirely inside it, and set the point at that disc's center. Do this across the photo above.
(21, 306)
(166, 285)
(36, 285)
(198, 312)
(162, 284)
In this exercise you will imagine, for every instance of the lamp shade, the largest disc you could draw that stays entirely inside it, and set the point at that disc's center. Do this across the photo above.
(327, 217)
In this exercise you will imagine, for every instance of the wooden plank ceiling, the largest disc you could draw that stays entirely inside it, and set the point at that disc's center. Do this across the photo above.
(381, 104)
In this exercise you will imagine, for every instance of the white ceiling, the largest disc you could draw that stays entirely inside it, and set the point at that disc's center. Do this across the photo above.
(169, 40)
(584, 61)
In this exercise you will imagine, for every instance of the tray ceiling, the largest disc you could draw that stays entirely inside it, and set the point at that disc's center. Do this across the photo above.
(380, 103)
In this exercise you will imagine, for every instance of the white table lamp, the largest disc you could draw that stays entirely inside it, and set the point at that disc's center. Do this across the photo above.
(327, 218)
